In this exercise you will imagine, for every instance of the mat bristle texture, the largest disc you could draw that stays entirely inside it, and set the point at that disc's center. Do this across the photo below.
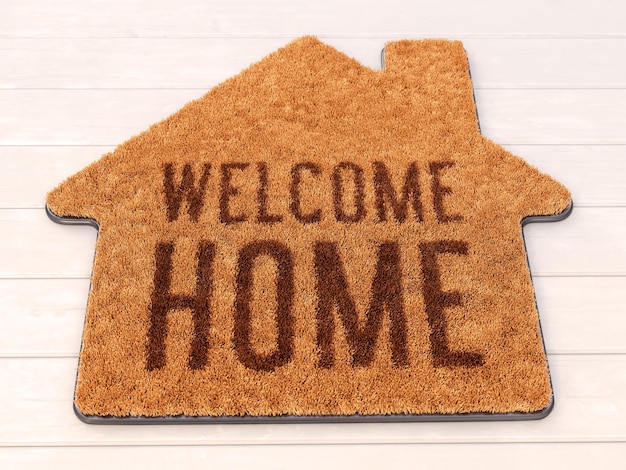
(314, 237)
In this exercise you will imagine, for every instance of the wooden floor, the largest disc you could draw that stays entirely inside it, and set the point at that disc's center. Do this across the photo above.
(79, 77)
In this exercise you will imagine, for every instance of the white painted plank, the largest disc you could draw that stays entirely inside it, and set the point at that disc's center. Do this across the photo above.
(607, 456)
(590, 242)
(32, 246)
(582, 314)
(202, 63)
(84, 117)
(37, 399)
(593, 173)
(44, 317)
(29, 172)
(190, 18)
(108, 117)
(138, 62)
(553, 116)
(546, 63)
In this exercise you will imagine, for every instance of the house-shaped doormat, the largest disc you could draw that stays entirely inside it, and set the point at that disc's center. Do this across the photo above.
(314, 240)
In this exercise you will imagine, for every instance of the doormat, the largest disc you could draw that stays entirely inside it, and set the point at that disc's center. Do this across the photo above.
(314, 240)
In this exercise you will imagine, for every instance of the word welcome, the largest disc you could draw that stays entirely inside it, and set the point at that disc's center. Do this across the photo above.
(334, 304)
(346, 184)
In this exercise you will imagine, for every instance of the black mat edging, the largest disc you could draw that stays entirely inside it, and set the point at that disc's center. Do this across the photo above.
(285, 419)
(394, 418)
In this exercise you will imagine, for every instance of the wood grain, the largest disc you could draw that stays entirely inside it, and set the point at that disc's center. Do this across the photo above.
(78, 77)
(189, 18)
(110, 116)
(495, 62)
(311, 457)
(586, 411)
(589, 242)
(593, 173)
(44, 317)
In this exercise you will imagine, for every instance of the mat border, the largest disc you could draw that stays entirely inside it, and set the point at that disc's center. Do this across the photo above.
(285, 419)
(393, 418)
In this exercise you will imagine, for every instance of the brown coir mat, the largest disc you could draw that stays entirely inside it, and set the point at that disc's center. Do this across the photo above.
(316, 239)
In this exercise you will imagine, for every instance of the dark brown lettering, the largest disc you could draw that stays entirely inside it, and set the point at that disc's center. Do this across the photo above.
(162, 301)
(186, 189)
(227, 190)
(439, 191)
(263, 215)
(295, 205)
(333, 292)
(385, 192)
(437, 301)
(338, 194)
(243, 297)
